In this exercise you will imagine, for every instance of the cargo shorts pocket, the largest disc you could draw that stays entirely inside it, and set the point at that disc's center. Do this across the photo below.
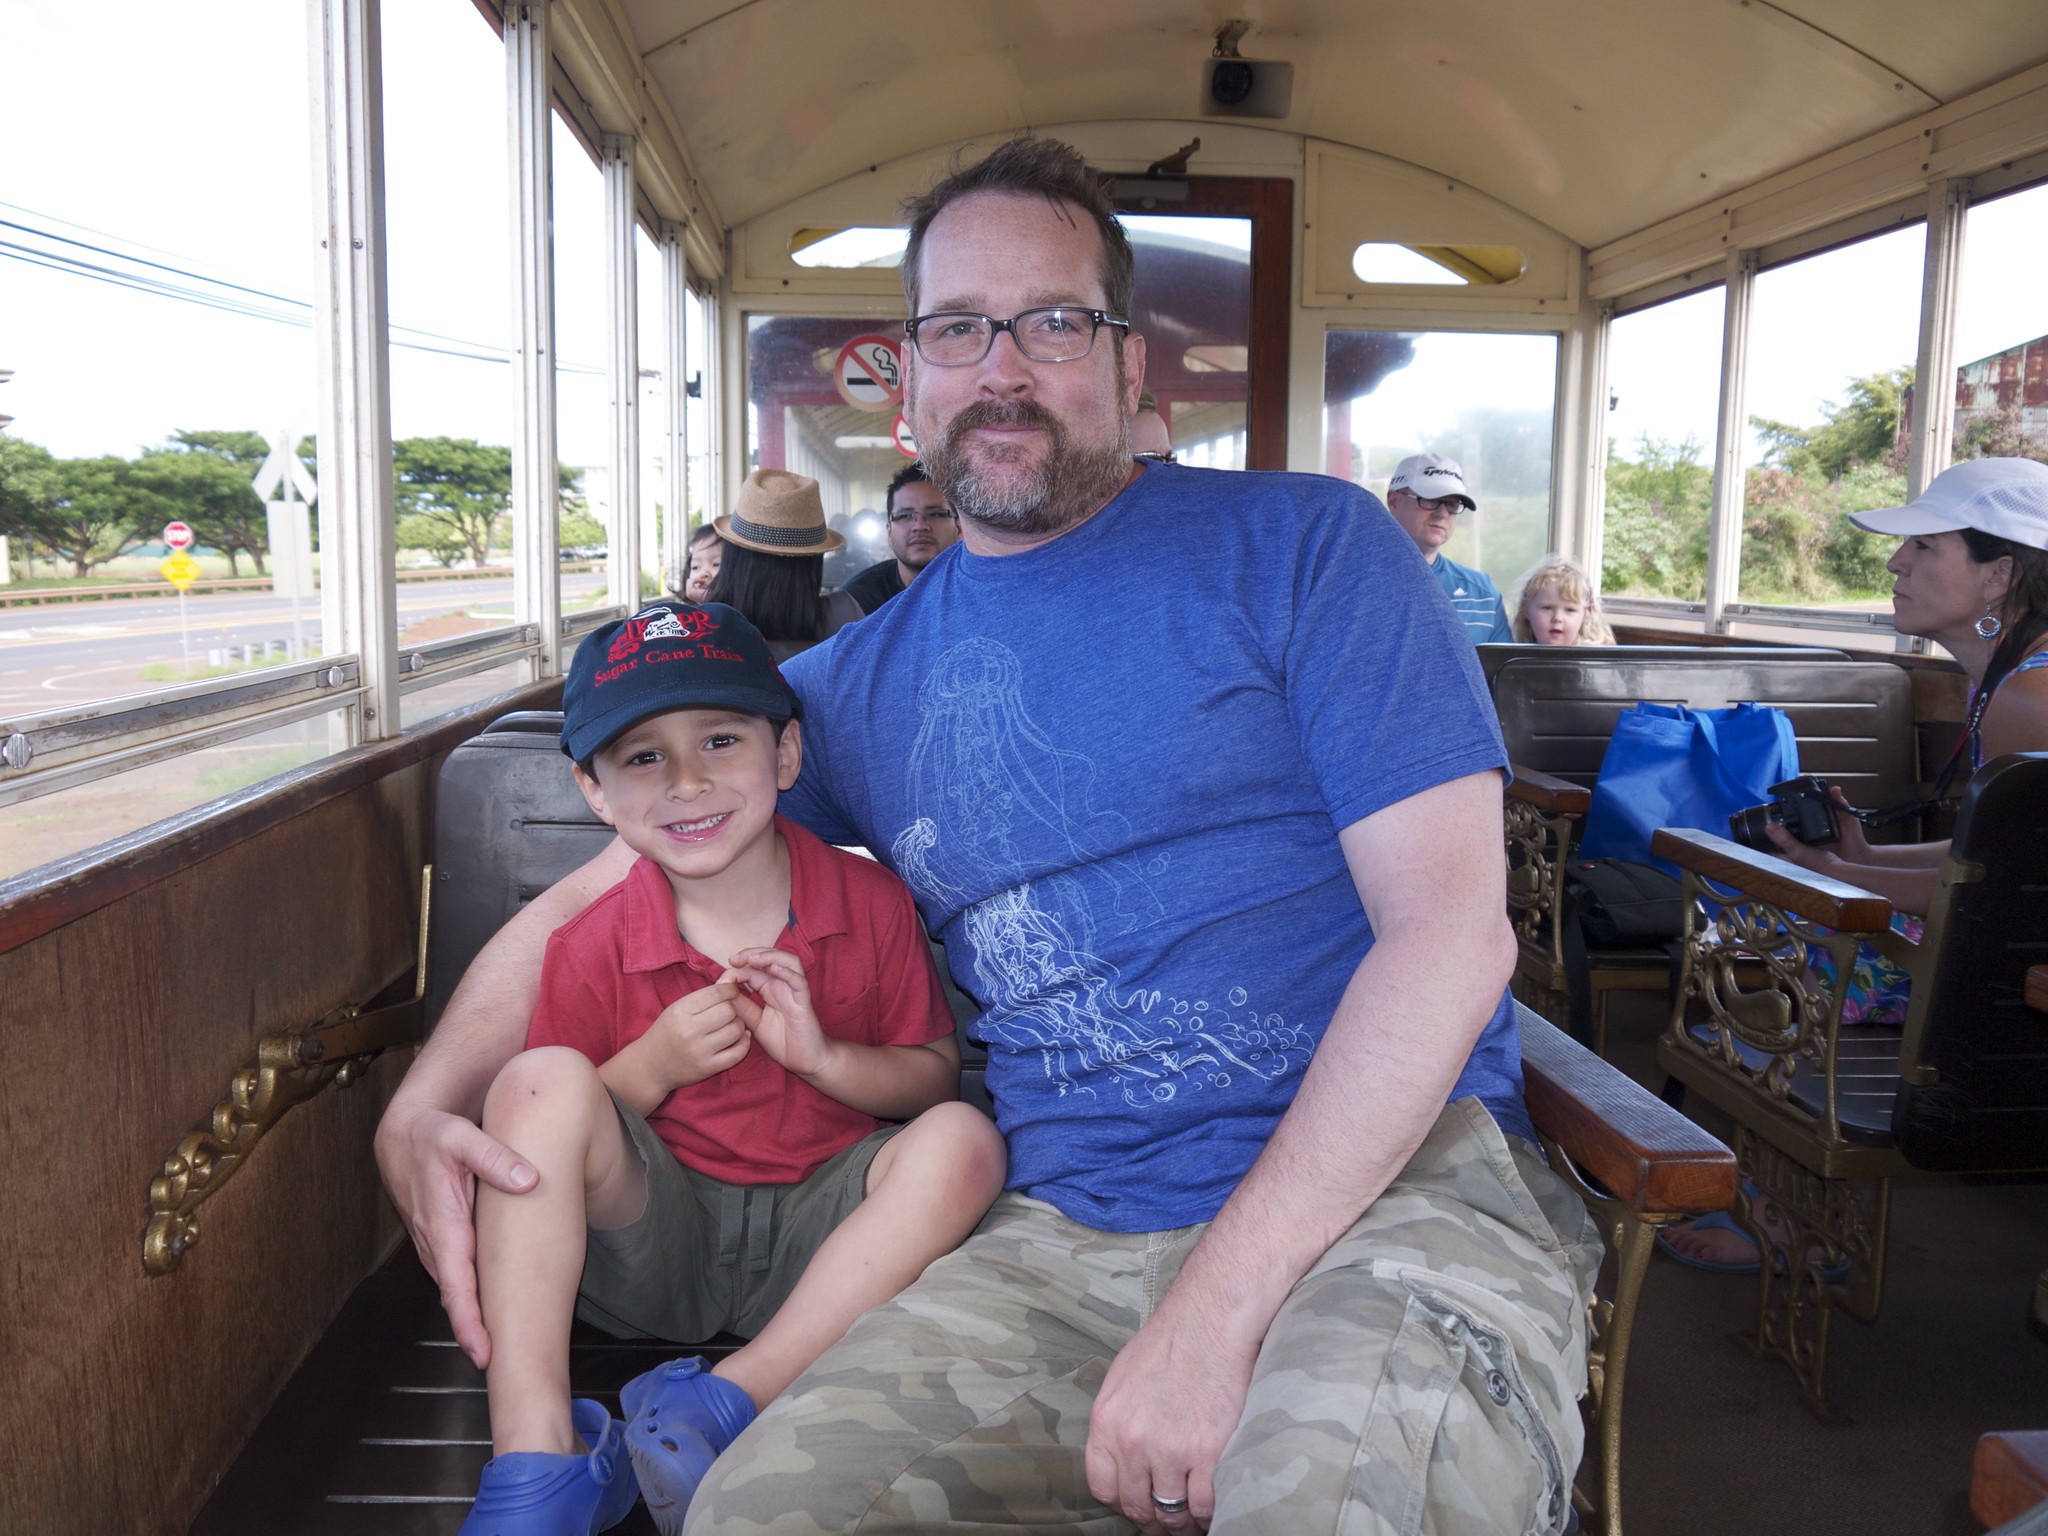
(1454, 1440)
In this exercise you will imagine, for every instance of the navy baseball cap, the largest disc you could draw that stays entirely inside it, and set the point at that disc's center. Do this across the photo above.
(669, 655)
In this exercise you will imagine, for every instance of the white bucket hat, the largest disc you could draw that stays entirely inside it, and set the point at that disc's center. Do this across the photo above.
(2006, 498)
(1431, 477)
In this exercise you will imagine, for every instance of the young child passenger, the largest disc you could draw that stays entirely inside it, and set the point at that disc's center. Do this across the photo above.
(718, 1042)
(1558, 606)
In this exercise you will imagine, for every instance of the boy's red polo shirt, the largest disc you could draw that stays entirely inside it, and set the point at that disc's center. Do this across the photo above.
(616, 965)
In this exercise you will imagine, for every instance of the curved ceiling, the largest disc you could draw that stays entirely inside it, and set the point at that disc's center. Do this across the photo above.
(1597, 117)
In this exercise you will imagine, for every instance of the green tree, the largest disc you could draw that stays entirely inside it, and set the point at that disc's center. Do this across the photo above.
(97, 508)
(1658, 507)
(28, 489)
(208, 478)
(576, 528)
(1860, 430)
(461, 485)
(432, 536)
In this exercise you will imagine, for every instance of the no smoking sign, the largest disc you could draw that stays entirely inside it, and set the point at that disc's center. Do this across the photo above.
(869, 374)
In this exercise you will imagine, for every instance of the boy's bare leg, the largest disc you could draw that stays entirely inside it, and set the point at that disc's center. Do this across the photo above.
(926, 1189)
(549, 1106)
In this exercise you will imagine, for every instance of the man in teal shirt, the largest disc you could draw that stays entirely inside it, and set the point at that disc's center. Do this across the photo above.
(1425, 496)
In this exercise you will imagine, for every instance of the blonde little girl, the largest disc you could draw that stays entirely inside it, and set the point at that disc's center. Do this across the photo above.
(1558, 606)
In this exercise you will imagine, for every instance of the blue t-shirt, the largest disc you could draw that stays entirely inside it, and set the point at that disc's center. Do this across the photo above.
(1476, 599)
(1112, 770)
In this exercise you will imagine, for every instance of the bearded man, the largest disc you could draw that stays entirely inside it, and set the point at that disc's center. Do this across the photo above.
(1202, 793)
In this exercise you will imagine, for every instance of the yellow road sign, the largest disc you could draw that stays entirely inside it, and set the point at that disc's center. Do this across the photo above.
(180, 570)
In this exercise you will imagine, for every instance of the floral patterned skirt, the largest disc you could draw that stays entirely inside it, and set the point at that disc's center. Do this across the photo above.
(1878, 989)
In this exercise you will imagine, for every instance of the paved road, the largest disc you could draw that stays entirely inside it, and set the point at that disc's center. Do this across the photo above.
(67, 654)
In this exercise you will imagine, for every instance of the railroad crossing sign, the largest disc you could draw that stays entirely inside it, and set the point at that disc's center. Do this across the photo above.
(178, 536)
(180, 569)
(284, 471)
(905, 443)
(869, 374)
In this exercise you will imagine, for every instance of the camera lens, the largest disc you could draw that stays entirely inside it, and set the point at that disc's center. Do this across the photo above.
(1747, 828)
(1232, 82)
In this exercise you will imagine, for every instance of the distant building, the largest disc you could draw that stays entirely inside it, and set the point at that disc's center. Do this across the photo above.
(2013, 380)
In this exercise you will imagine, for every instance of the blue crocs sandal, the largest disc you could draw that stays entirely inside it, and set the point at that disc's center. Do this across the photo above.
(1713, 1221)
(534, 1493)
(678, 1418)
(1723, 1221)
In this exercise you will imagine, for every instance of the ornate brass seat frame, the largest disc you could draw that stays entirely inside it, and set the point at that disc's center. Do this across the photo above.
(1757, 1033)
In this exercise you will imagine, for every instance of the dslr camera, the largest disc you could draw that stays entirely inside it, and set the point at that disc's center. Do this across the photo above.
(1802, 806)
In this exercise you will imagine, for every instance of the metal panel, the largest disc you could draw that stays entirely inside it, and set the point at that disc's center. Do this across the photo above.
(675, 309)
(622, 296)
(40, 754)
(357, 521)
(1933, 425)
(1724, 551)
(536, 579)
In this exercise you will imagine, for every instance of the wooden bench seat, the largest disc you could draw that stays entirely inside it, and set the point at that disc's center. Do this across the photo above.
(1853, 721)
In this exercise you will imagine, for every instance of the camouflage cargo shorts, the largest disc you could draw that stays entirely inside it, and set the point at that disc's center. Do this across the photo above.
(1421, 1378)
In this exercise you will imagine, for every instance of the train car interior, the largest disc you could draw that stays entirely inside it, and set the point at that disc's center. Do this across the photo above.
(1582, 249)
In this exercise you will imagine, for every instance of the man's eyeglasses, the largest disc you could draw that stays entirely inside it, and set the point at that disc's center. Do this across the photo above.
(1435, 503)
(932, 515)
(1060, 334)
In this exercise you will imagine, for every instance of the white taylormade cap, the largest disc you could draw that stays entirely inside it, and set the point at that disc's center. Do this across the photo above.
(2007, 498)
(1431, 477)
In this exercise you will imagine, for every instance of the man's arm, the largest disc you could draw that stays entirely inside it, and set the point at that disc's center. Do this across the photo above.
(429, 1148)
(1430, 873)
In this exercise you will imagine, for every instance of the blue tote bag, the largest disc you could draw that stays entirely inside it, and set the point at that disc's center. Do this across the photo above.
(1669, 766)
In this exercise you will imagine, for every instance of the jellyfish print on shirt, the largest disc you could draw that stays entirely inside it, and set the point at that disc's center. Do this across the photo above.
(1002, 829)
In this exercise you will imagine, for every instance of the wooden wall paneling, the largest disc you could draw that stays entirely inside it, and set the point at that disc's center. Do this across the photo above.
(122, 1028)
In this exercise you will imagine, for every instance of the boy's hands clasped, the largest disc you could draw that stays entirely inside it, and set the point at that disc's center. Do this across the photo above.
(701, 1034)
(763, 997)
(775, 1006)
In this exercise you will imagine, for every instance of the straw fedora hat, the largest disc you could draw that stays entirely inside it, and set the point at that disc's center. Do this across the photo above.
(779, 514)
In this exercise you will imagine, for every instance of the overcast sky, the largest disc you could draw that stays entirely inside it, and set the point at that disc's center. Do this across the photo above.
(179, 135)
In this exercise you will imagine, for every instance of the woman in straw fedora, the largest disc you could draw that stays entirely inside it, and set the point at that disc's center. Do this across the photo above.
(774, 563)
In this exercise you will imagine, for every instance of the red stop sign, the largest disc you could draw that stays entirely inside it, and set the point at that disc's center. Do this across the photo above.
(178, 535)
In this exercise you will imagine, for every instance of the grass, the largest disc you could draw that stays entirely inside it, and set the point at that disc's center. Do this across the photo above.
(230, 776)
(171, 672)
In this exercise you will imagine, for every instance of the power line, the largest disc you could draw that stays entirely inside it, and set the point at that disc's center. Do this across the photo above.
(296, 311)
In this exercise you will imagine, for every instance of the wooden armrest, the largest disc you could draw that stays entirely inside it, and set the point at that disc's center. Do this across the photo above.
(2009, 1475)
(1557, 796)
(2037, 987)
(1846, 908)
(1646, 1153)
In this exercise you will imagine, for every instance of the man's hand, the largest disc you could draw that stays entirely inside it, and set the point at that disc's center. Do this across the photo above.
(430, 1161)
(1170, 1402)
(699, 1035)
(782, 1019)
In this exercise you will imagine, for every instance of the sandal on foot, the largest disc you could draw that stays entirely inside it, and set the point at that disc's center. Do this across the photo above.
(1713, 1221)
(534, 1493)
(1722, 1221)
(678, 1418)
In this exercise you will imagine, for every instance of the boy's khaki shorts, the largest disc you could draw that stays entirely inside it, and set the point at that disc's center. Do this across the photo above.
(708, 1257)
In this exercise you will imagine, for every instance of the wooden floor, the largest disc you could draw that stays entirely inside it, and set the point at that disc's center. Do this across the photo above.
(384, 1429)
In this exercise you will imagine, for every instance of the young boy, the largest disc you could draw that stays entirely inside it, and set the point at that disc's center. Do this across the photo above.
(717, 1041)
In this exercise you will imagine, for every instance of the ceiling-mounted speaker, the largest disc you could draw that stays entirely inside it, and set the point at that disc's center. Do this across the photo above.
(1233, 87)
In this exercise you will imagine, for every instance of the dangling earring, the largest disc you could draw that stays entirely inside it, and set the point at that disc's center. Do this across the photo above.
(1990, 627)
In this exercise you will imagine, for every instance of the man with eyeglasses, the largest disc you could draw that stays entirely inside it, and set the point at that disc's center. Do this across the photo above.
(1425, 495)
(920, 526)
(1195, 776)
